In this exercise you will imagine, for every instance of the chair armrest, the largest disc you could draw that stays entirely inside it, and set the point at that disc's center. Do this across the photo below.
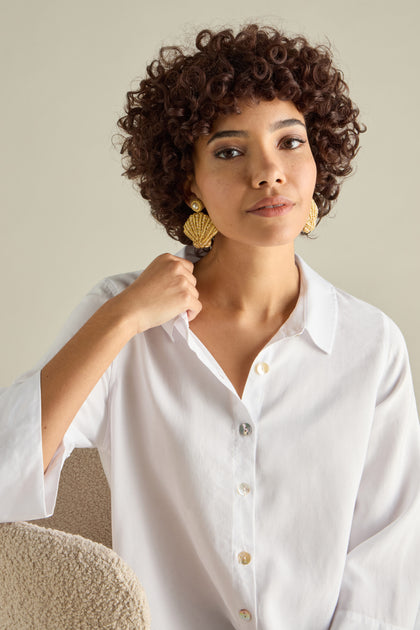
(51, 579)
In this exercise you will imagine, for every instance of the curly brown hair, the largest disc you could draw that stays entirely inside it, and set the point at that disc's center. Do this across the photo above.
(183, 94)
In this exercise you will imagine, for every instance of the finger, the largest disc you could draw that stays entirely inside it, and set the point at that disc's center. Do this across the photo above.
(187, 264)
(194, 311)
(191, 314)
(187, 274)
(191, 278)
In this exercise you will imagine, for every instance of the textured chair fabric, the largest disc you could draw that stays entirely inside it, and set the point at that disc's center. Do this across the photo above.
(56, 575)
(83, 502)
(51, 580)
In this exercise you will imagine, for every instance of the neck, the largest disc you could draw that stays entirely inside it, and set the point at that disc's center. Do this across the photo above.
(262, 281)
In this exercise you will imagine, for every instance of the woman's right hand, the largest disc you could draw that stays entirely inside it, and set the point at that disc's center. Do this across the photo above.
(166, 288)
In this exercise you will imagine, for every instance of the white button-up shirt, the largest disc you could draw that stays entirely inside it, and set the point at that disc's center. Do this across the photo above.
(295, 507)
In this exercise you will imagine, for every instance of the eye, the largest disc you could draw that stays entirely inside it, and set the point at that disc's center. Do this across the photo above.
(228, 153)
(291, 143)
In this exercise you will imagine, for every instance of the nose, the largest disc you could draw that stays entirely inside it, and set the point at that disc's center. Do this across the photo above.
(267, 170)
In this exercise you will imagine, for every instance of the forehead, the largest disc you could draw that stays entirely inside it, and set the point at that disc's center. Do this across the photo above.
(256, 114)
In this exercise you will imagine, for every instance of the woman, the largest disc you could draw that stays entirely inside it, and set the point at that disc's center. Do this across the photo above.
(257, 426)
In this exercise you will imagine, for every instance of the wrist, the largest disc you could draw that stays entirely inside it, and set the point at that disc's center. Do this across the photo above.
(120, 318)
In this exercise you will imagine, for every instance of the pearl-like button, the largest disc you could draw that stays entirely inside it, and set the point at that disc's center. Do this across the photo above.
(244, 489)
(245, 428)
(244, 557)
(261, 368)
(245, 614)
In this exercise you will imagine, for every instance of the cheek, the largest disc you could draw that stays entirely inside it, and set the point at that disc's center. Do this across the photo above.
(215, 188)
(309, 176)
(313, 171)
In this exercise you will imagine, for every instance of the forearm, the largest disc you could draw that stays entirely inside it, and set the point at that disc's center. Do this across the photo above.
(72, 373)
(165, 289)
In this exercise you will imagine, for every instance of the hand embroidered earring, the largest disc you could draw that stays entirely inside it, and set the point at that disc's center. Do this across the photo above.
(199, 227)
(311, 222)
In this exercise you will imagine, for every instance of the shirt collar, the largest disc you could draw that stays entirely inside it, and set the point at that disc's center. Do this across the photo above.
(320, 309)
(315, 311)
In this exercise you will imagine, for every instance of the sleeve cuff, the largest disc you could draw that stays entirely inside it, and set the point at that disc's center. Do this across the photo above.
(25, 493)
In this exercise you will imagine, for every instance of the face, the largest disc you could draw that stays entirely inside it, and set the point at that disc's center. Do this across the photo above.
(255, 174)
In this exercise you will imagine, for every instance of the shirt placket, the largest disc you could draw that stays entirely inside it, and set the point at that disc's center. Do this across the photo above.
(244, 561)
(246, 412)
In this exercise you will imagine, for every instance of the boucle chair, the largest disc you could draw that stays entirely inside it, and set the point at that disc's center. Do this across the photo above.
(59, 573)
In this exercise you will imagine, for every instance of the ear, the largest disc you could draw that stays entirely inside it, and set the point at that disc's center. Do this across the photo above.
(190, 188)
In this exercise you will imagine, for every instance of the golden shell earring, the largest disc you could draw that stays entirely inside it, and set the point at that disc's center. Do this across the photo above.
(311, 222)
(199, 227)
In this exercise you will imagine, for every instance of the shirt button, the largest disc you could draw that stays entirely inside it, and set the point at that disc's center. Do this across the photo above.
(261, 368)
(244, 557)
(245, 428)
(245, 614)
(244, 489)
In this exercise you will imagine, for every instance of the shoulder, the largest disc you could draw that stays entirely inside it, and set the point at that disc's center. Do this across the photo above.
(371, 340)
(365, 320)
(350, 322)
(100, 293)
(113, 285)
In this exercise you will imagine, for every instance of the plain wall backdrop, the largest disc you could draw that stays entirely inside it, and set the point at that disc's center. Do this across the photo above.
(68, 218)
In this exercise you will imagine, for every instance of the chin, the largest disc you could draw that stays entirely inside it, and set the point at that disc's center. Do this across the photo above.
(277, 238)
(262, 238)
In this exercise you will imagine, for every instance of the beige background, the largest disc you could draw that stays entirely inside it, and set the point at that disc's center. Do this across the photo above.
(67, 216)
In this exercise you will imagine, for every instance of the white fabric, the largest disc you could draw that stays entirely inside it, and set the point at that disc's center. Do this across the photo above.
(332, 518)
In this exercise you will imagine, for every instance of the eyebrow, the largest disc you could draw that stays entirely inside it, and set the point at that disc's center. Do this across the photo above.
(238, 133)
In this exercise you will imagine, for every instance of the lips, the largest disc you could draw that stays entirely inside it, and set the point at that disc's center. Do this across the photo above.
(272, 206)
